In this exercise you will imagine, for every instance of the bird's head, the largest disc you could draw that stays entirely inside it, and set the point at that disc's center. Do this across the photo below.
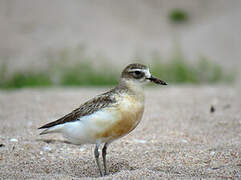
(139, 74)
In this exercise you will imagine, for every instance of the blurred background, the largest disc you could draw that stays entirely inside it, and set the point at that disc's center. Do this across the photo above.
(63, 43)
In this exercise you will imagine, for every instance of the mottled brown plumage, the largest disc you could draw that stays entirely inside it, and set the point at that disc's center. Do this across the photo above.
(89, 107)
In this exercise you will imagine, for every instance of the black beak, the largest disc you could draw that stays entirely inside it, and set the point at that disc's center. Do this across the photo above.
(157, 81)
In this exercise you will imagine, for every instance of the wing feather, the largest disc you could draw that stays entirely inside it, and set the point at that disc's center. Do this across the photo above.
(87, 108)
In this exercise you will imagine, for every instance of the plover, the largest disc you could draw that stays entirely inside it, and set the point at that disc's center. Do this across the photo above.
(109, 116)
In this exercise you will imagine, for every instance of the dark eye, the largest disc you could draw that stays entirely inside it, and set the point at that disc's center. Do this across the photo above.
(138, 74)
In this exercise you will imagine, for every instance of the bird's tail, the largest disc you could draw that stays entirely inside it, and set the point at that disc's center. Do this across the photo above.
(53, 129)
(46, 131)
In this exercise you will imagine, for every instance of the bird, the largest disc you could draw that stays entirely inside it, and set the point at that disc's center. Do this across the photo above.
(108, 116)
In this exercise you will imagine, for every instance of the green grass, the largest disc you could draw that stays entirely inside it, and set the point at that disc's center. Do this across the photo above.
(179, 71)
(77, 75)
(178, 16)
(61, 73)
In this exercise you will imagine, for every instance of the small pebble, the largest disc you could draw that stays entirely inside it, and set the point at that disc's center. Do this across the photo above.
(212, 109)
(41, 152)
(139, 141)
(212, 153)
(13, 140)
(184, 141)
(47, 148)
(82, 149)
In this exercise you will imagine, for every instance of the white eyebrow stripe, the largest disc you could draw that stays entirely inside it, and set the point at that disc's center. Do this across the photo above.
(132, 70)
(146, 71)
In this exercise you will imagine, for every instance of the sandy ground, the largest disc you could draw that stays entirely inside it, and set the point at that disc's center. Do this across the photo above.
(178, 137)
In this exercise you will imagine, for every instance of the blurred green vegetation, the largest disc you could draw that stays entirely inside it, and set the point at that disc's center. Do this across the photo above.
(176, 70)
(178, 16)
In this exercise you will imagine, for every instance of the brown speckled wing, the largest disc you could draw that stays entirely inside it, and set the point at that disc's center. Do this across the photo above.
(87, 108)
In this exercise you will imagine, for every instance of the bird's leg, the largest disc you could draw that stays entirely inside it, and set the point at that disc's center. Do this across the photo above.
(97, 158)
(104, 157)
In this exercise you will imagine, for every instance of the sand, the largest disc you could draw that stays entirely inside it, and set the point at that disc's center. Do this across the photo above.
(178, 137)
